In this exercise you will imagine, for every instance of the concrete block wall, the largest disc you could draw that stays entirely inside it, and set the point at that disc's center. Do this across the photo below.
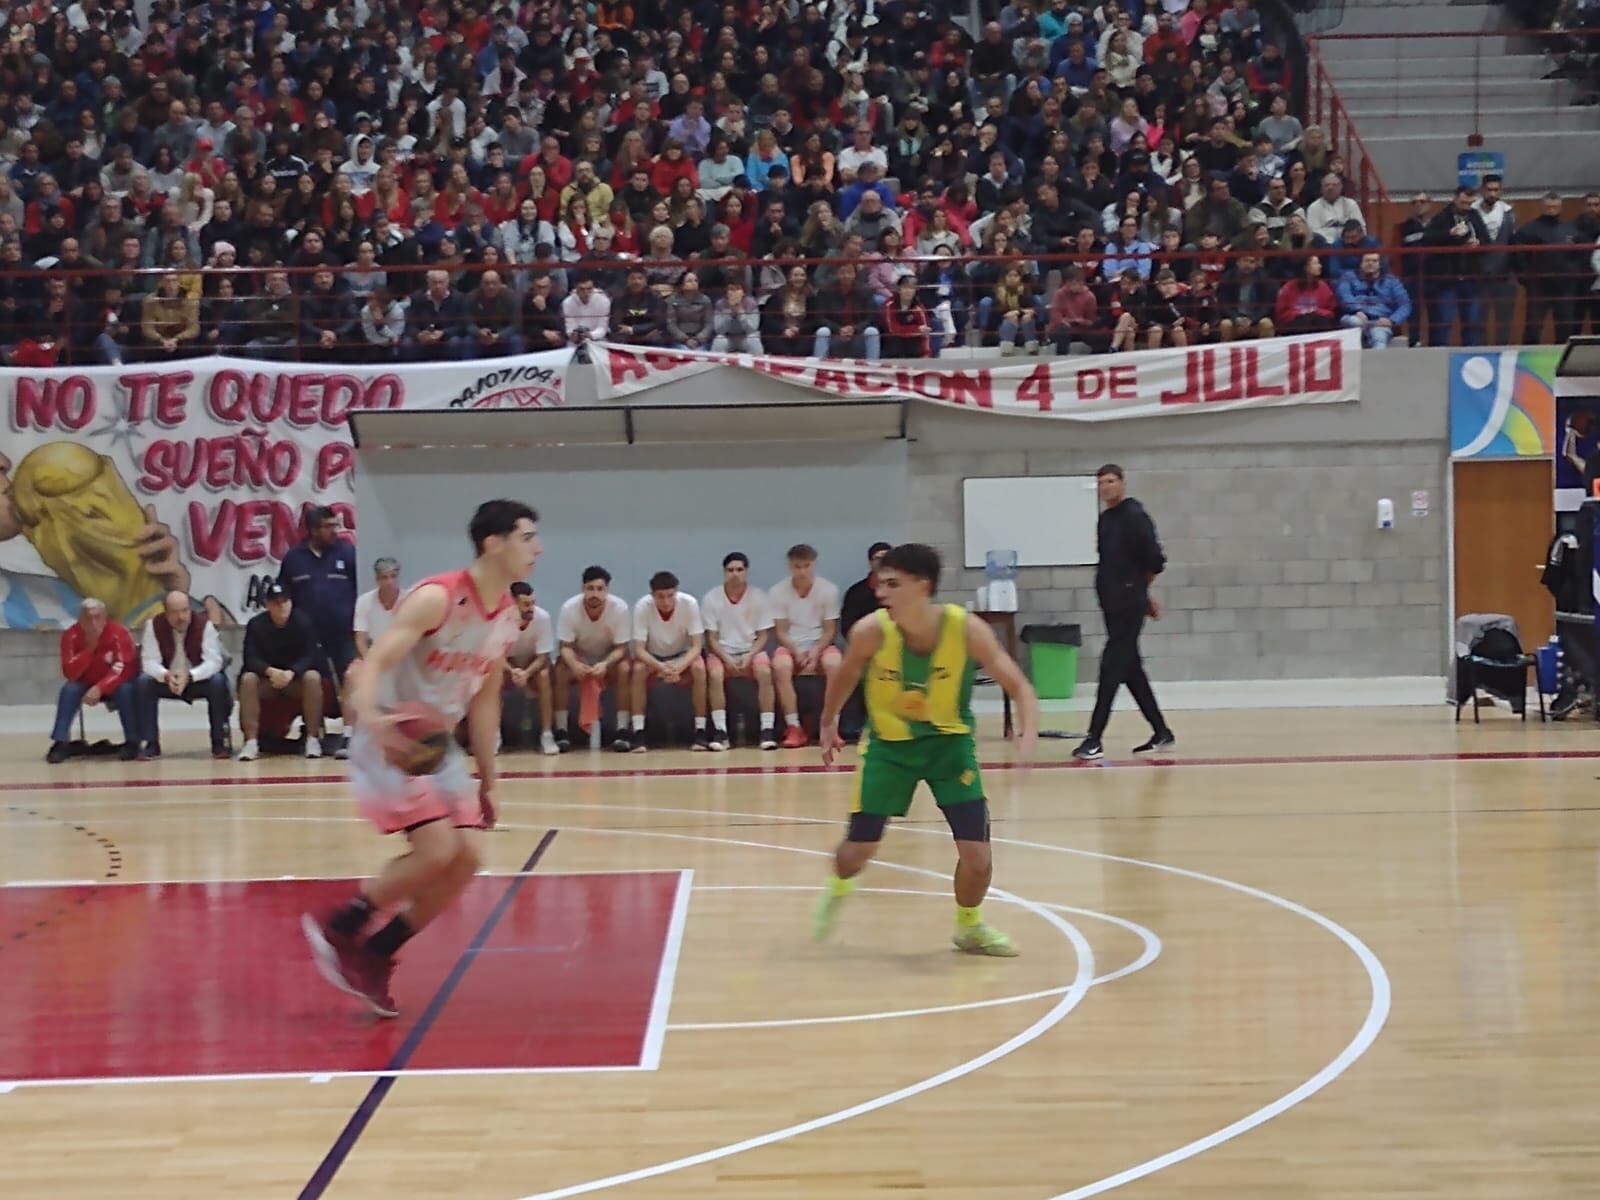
(1276, 568)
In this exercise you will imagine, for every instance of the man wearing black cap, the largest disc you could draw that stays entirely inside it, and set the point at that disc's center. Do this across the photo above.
(280, 657)
(1130, 558)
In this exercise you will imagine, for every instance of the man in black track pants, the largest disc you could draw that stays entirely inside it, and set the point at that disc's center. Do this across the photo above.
(1130, 558)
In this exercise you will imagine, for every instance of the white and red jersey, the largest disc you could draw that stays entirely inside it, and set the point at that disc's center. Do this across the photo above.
(446, 667)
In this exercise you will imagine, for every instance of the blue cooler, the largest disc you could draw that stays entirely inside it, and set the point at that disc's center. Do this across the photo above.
(1547, 667)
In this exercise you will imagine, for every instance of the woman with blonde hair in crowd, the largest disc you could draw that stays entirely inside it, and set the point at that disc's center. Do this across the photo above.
(194, 202)
(631, 155)
(822, 233)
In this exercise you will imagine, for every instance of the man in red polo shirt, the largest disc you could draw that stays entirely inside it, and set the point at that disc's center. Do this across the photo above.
(97, 658)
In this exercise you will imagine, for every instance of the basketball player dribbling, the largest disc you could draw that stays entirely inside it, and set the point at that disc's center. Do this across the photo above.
(919, 659)
(445, 647)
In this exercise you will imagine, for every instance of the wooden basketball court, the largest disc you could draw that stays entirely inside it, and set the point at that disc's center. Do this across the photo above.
(1314, 954)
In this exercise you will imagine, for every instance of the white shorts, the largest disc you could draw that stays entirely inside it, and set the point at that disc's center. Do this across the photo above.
(396, 802)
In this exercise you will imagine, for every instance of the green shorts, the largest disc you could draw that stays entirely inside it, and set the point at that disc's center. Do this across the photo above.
(887, 777)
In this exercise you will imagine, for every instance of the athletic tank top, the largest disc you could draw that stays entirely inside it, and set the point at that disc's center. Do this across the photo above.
(911, 695)
(446, 667)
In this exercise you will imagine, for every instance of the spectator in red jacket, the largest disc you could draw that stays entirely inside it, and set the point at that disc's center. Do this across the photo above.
(1306, 304)
(672, 166)
(97, 659)
(906, 324)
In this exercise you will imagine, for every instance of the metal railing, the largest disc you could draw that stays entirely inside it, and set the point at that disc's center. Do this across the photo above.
(1325, 107)
(1466, 296)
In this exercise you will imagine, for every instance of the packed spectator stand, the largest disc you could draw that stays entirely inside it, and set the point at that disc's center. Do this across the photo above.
(387, 181)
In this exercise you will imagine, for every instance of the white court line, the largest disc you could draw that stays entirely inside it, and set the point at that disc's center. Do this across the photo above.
(7, 1085)
(218, 879)
(666, 974)
(1151, 951)
(658, 1006)
(52, 883)
(1371, 1026)
(1058, 1013)
(1377, 1013)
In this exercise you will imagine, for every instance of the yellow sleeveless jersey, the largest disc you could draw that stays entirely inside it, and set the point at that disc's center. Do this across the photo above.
(911, 695)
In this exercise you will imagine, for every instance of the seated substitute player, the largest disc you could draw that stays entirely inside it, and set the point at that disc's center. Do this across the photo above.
(738, 620)
(375, 608)
(667, 638)
(594, 630)
(919, 659)
(528, 670)
(805, 618)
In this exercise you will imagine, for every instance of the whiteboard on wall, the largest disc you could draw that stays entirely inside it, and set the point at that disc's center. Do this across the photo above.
(1049, 520)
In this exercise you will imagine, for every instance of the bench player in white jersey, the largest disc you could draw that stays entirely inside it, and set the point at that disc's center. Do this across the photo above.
(805, 618)
(528, 668)
(447, 640)
(667, 640)
(375, 609)
(738, 621)
(594, 632)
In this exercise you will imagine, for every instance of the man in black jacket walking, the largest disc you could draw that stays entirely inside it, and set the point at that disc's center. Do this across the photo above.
(1130, 557)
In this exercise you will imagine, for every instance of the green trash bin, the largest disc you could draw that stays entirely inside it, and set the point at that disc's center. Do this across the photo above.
(1053, 659)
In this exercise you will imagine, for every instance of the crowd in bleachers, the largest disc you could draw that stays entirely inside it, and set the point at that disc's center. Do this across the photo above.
(443, 180)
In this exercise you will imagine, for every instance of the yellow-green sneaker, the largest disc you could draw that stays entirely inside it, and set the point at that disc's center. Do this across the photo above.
(823, 913)
(983, 939)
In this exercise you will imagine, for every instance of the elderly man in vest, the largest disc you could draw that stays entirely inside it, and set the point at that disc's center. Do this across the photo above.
(181, 659)
(98, 663)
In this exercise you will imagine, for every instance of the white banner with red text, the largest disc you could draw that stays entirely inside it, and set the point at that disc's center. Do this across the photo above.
(1311, 369)
(124, 483)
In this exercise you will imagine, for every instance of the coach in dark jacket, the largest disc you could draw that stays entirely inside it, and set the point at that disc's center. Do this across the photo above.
(1130, 558)
(320, 577)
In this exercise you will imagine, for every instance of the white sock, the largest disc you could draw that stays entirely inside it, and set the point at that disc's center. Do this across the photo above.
(638, 722)
(792, 720)
(699, 724)
(719, 719)
(768, 720)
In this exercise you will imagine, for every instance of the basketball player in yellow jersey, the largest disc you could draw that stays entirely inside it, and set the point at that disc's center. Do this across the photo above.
(919, 658)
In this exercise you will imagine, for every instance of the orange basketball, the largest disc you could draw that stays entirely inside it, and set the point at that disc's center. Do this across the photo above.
(419, 737)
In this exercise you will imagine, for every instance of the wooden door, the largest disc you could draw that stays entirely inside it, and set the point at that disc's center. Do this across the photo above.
(1503, 524)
